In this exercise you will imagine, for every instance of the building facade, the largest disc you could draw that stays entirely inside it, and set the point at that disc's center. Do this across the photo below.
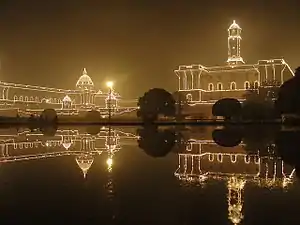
(202, 84)
(18, 98)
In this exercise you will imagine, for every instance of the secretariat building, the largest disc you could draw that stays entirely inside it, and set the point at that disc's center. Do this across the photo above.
(23, 99)
(202, 84)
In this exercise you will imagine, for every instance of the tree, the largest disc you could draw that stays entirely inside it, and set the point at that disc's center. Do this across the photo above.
(155, 142)
(260, 138)
(258, 106)
(181, 103)
(48, 130)
(156, 102)
(227, 137)
(227, 108)
(288, 101)
(48, 116)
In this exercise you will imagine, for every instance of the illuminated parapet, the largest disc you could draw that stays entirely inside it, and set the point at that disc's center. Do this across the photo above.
(274, 69)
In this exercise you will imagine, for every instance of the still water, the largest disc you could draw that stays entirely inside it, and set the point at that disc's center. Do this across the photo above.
(186, 175)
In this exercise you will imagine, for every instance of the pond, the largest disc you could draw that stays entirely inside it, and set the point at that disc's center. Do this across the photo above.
(165, 175)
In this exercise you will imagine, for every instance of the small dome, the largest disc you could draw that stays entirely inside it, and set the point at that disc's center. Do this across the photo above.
(234, 25)
(85, 82)
(67, 99)
(84, 162)
(67, 145)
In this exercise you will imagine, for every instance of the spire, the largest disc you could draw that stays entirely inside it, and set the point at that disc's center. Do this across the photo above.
(84, 71)
(84, 173)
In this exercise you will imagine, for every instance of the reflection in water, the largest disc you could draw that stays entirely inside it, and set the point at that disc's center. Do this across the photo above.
(233, 156)
(158, 142)
(202, 161)
(84, 162)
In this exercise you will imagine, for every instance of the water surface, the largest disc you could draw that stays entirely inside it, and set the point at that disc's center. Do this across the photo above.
(171, 176)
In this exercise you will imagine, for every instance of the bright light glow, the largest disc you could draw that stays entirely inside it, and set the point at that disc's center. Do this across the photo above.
(109, 162)
(110, 84)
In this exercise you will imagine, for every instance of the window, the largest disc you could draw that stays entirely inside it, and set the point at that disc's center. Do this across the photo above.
(220, 86)
(233, 158)
(246, 85)
(189, 97)
(247, 159)
(15, 98)
(220, 157)
(256, 85)
(211, 157)
(26, 99)
(233, 86)
(36, 99)
(210, 87)
(31, 99)
(21, 98)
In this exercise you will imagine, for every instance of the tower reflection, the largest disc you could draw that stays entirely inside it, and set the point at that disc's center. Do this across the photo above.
(203, 160)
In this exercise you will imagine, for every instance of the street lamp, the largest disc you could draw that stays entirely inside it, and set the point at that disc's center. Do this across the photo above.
(110, 85)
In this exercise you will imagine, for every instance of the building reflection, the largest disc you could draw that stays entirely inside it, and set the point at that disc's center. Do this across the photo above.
(202, 160)
(84, 147)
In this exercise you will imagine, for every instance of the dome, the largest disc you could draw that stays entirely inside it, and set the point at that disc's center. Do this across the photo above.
(67, 145)
(234, 25)
(85, 82)
(67, 99)
(84, 162)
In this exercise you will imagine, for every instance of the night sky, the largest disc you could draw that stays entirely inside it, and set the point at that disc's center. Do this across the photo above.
(137, 44)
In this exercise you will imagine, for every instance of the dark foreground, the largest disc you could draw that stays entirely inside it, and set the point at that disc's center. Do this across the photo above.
(117, 177)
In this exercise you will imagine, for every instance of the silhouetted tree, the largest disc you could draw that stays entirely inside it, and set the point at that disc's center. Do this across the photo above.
(228, 108)
(48, 130)
(258, 106)
(228, 136)
(93, 130)
(48, 116)
(288, 101)
(155, 142)
(288, 143)
(181, 103)
(260, 138)
(156, 102)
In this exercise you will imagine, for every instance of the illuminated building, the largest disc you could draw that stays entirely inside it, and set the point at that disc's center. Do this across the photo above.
(201, 84)
(203, 160)
(29, 99)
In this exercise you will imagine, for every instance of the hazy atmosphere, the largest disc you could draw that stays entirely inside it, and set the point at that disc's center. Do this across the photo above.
(137, 44)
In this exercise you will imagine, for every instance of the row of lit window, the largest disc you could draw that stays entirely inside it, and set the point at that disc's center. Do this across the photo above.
(36, 99)
(36, 144)
(232, 86)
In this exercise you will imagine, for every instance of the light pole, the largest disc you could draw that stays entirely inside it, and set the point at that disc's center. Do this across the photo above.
(110, 85)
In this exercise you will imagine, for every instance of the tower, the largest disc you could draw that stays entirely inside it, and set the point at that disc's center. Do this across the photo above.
(234, 44)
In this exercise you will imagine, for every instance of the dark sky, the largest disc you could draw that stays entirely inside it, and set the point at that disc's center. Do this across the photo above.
(136, 43)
